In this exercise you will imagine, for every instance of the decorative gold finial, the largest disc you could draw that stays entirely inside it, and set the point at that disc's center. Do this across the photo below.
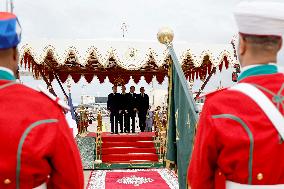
(165, 35)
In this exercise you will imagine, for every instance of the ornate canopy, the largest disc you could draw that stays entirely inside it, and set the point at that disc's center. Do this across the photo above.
(120, 60)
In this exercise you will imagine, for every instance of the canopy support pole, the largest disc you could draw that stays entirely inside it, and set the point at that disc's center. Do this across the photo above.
(48, 83)
(60, 84)
(57, 79)
(205, 83)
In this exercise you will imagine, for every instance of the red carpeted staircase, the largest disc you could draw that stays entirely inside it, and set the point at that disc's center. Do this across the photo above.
(129, 148)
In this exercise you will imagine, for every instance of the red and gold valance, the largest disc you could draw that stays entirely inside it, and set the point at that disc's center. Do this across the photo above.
(121, 61)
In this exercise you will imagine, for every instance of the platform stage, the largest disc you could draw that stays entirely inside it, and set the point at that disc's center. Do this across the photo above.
(139, 150)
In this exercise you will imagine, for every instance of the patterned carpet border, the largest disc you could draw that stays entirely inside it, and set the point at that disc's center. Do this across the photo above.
(97, 177)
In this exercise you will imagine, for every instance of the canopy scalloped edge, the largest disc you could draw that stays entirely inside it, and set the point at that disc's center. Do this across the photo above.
(128, 56)
(123, 61)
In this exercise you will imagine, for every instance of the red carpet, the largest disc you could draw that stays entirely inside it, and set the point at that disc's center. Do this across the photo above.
(121, 150)
(127, 157)
(133, 179)
(128, 148)
(107, 134)
(141, 144)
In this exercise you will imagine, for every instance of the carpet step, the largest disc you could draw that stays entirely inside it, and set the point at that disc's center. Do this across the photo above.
(130, 157)
(135, 148)
(125, 139)
(129, 165)
(127, 150)
(140, 144)
(137, 162)
(108, 134)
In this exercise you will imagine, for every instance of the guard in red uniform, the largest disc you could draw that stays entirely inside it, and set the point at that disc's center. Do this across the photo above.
(239, 142)
(37, 149)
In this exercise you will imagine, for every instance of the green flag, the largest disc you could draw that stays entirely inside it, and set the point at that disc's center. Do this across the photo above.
(182, 120)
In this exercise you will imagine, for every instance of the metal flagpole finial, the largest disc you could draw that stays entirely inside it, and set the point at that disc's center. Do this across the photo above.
(165, 35)
(124, 29)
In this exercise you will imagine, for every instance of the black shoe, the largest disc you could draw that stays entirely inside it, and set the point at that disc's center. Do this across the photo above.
(116, 133)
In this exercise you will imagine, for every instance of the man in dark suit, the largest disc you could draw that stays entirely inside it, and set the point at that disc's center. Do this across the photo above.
(123, 110)
(143, 106)
(113, 107)
(132, 107)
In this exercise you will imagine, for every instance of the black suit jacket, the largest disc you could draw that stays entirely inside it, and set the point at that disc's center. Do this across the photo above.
(123, 100)
(113, 102)
(132, 102)
(143, 102)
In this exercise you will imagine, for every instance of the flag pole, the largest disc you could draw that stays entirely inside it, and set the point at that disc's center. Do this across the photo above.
(165, 36)
(182, 113)
(12, 6)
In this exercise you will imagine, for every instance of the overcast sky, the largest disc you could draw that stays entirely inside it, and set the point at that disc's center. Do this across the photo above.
(198, 21)
(191, 20)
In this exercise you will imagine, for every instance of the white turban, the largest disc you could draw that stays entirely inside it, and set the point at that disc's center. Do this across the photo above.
(264, 18)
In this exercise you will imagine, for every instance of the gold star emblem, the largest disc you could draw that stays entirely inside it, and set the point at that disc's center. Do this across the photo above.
(188, 121)
(177, 131)
(176, 117)
(177, 134)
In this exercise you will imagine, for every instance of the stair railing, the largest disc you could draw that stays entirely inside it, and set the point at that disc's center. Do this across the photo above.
(99, 140)
(160, 138)
(162, 145)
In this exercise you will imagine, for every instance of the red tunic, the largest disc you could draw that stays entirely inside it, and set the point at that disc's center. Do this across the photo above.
(36, 143)
(236, 141)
